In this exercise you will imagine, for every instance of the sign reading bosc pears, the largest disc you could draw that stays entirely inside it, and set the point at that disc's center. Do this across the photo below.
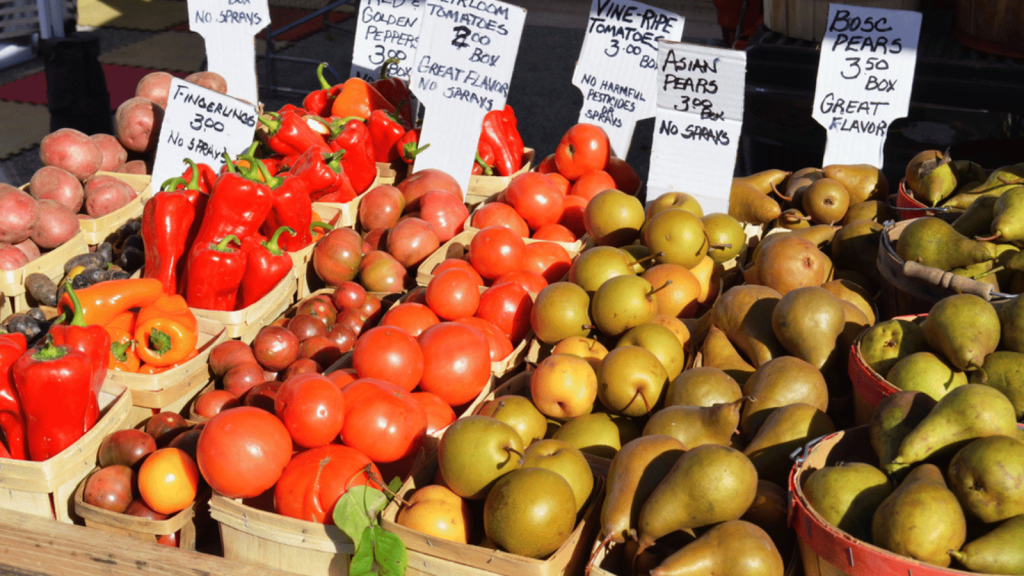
(386, 29)
(698, 124)
(865, 76)
(617, 67)
(200, 124)
(463, 68)
(228, 27)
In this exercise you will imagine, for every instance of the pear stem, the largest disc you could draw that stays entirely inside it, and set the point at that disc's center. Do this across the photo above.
(384, 487)
(719, 246)
(984, 376)
(645, 258)
(588, 327)
(512, 450)
(780, 194)
(995, 236)
(593, 557)
(658, 289)
(988, 272)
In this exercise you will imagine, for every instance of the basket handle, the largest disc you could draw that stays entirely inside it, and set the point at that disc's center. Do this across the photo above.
(948, 280)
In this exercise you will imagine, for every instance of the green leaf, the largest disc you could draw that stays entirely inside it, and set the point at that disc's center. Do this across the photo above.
(357, 510)
(379, 552)
(393, 487)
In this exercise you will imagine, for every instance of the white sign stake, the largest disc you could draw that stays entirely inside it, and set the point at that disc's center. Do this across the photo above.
(617, 68)
(698, 123)
(386, 29)
(200, 124)
(462, 71)
(865, 76)
(228, 27)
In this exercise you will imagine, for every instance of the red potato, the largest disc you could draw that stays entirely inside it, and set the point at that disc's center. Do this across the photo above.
(155, 87)
(19, 214)
(57, 225)
(114, 155)
(29, 248)
(73, 151)
(134, 167)
(137, 122)
(52, 183)
(105, 194)
(11, 258)
(210, 80)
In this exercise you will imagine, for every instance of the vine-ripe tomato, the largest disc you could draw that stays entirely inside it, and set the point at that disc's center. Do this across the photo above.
(547, 259)
(573, 208)
(242, 451)
(592, 183)
(342, 377)
(456, 362)
(498, 344)
(311, 408)
(536, 198)
(582, 149)
(349, 295)
(382, 420)
(626, 179)
(495, 251)
(314, 480)
(450, 263)
(453, 294)
(390, 354)
(547, 165)
(560, 182)
(555, 233)
(532, 282)
(508, 306)
(412, 317)
(439, 414)
(499, 214)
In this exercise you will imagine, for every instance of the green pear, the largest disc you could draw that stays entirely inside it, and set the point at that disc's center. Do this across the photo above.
(661, 342)
(561, 310)
(744, 314)
(623, 302)
(781, 382)
(886, 343)
(474, 452)
(1011, 321)
(734, 548)
(919, 164)
(846, 496)
(596, 265)
(895, 417)
(977, 219)
(519, 413)
(964, 328)
(567, 462)
(807, 321)
(1004, 371)
(630, 381)
(634, 473)
(530, 512)
(998, 552)
(704, 386)
(718, 352)
(787, 429)
(695, 426)
(599, 434)
(1008, 216)
(613, 218)
(937, 184)
(925, 372)
(921, 519)
(933, 242)
(725, 235)
(987, 477)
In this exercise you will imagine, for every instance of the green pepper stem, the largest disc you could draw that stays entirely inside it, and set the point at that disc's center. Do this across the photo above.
(170, 183)
(229, 163)
(384, 67)
(320, 225)
(412, 149)
(272, 124)
(480, 161)
(194, 183)
(49, 351)
(222, 246)
(77, 319)
(271, 181)
(272, 244)
(120, 350)
(324, 85)
(159, 342)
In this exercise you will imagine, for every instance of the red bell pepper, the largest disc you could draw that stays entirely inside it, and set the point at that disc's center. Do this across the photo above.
(358, 98)
(484, 160)
(319, 102)
(266, 265)
(92, 341)
(54, 384)
(12, 420)
(291, 208)
(288, 134)
(385, 131)
(166, 221)
(358, 161)
(201, 177)
(512, 137)
(395, 90)
(293, 109)
(237, 207)
(409, 146)
(324, 177)
(214, 274)
(493, 134)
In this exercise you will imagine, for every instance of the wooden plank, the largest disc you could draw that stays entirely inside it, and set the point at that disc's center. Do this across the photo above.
(33, 546)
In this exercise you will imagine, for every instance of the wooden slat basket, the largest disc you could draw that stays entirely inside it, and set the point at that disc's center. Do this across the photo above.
(183, 522)
(97, 230)
(244, 324)
(482, 187)
(50, 264)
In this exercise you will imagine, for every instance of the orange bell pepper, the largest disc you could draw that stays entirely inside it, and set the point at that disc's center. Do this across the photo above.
(359, 98)
(123, 356)
(150, 369)
(125, 321)
(166, 331)
(103, 302)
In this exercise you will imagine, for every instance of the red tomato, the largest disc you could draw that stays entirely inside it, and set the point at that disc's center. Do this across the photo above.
(561, 182)
(262, 396)
(382, 420)
(547, 259)
(532, 282)
(508, 306)
(499, 214)
(412, 317)
(445, 212)
(555, 233)
(592, 183)
(626, 178)
(209, 404)
(315, 480)
(418, 295)
(582, 149)
(349, 295)
(453, 294)
(242, 451)
(498, 344)
(342, 377)
(459, 264)
(439, 414)
(390, 354)
(535, 198)
(311, 408)
(495, 251)
(547, 165)
(456, 362)
(572, 214)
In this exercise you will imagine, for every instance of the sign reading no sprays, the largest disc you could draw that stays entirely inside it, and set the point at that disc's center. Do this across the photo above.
(228, 28)
(462, 71)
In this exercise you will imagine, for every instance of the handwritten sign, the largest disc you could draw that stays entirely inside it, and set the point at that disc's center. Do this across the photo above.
(698, 123)
(228, 27)
(617, 68)
(865, 76)
(462, 71)
(200, 124)
(386, 29)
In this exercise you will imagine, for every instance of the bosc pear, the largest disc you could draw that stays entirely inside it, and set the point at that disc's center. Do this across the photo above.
(635, 471)
(702, 386)
(734, 548)
(781, 382)
(785, 430)
(998, 552)
(895, 417)
(808, 321)
(695, 426)
(744, 314)
(987, 476)
(720, 353)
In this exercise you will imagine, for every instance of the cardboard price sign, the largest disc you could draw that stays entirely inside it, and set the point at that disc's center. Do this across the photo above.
(865, 76)
(462, 71)
(200, 124)
(698, 124)
(228, 27)
(617, 69)
(386, 29)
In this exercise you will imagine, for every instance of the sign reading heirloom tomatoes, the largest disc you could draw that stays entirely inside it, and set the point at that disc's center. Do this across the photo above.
(462, 71)
(386, 29)
(228, 27)
(200, 124)
(617, 68)
(865, 76)
(698, 124)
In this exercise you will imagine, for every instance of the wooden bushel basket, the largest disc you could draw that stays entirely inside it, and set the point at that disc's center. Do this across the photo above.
(143, 528)
(50, 264)
(247, 322)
